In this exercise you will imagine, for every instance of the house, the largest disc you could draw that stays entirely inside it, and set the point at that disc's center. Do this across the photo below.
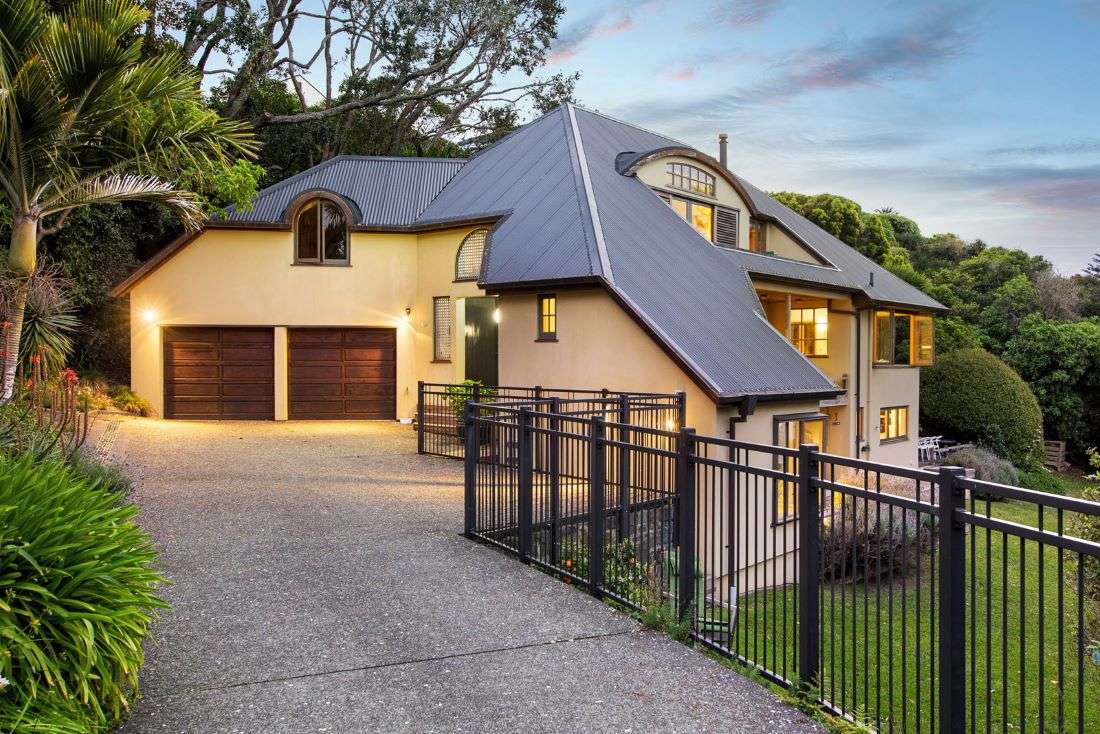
(579, 251)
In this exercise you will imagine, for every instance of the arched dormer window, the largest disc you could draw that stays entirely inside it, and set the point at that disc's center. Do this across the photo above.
(321, 233)
(686, 177)
(470, 253)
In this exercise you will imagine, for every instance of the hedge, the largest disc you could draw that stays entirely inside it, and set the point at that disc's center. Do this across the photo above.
(971, 395)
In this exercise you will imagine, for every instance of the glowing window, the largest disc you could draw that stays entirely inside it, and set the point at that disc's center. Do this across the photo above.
(548, 318)
(810, 330)
(893, 423)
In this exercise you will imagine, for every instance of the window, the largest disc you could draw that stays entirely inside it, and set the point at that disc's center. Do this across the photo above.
(690, 178)
(470, 254)
(893, 423)
(810, 330)
(903, 339)
(321, 233)
(726, 223)
(700, 216)
(757, 237)
(548, 318)
(442, 319)
(791, 432)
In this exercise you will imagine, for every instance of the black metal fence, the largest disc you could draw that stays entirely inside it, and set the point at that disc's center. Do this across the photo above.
(910, 600)
(440, 408)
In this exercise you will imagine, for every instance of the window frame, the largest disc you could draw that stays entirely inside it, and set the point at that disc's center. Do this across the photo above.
(481, 260)
(690, 203)
(789, 464)
(436, 358)
(813, 340)
(320, 200)
(542, 335)
(912, 360)
(679, 171)
(883, 412)
(758, 236)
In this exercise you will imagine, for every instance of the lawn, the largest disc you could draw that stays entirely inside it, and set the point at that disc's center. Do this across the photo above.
(1022, 654)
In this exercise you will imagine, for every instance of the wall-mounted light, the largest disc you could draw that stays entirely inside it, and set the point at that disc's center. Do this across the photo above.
(496, 315)
(149, 316)
(407, 318)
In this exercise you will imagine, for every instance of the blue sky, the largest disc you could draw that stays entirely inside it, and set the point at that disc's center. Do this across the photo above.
(981, 119)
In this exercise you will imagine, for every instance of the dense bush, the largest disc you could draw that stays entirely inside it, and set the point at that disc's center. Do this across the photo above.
(1087, 527)
(971, 395)
(1042, 480)
(77, 595)
(129, 401)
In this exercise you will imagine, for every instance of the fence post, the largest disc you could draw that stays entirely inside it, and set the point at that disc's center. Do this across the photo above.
(952, 610)
(472, 449)
(681, 407)
(596, 506)
(419, 416)
(554, 469)
(526, 473)
(809, 567)
(624, 468)
(685, 498)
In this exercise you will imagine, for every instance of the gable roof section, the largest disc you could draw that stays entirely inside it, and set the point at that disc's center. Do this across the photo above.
(382, 191)
(535, 176)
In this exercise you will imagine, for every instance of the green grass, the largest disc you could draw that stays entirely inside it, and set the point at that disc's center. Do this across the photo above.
(861, 622)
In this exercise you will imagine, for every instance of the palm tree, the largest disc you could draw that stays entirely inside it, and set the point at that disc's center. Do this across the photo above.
(87, 118)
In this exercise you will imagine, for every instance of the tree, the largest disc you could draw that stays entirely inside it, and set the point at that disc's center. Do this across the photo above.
(1061, 361)
(1089, 284)
(844, 219)
(86, 119)
(1012, 303)
(1059, 296)
(905, 230)
(432, 65)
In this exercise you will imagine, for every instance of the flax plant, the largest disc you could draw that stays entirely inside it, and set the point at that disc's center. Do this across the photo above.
(77, 595)
(88, 117)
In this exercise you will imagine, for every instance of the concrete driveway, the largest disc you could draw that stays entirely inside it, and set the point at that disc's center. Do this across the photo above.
(319, 583)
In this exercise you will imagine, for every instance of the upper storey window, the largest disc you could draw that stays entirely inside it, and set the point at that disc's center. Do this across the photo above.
(470, 253)
(690, 178)
(904, 339)
(321, 233)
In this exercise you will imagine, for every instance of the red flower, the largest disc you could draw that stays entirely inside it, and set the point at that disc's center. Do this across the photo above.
(35, 359)
(30, 384)
(69, 375)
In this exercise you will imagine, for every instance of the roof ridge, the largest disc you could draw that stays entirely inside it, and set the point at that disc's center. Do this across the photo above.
(410, 158)
(580, 163)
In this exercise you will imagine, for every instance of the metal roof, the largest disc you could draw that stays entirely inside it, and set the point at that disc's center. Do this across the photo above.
(569, 209)
(381, 191)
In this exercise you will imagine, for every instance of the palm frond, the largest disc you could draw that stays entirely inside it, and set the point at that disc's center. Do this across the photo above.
(117, 188)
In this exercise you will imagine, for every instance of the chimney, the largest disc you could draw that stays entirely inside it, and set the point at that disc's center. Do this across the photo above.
(722, 157)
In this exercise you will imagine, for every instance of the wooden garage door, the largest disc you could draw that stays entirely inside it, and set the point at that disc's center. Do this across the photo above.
(219, 372)
(343, 373)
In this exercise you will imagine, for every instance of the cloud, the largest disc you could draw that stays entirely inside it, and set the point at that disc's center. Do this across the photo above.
(1043, 149)
(1074, 189)
(913, 49)
(607, 22)
(744, 13)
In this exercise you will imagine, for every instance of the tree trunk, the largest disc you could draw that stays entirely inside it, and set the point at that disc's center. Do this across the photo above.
(22, 257)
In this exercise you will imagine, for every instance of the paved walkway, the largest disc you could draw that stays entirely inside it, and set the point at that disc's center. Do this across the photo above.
(319, 584)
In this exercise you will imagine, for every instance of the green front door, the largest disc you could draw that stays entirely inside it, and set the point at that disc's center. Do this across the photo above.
(481, 340)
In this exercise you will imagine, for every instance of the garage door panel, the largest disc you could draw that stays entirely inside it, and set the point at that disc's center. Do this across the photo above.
(192, 371)
(219, 372)
(343, 373)
(316, 354)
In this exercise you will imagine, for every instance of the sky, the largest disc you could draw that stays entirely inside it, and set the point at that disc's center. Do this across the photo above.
(978, 118)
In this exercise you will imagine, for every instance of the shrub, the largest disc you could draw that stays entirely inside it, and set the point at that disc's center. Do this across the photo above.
(1042, 480)
(129, 401)
(78, 594)
(987, 466)
(862, 540)
(462, 393)
(1087, 527)
(971, 395)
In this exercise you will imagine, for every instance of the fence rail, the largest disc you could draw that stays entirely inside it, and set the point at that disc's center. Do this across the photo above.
(903, 599)
(440, 408)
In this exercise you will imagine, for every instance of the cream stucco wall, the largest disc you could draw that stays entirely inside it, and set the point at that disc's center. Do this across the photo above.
(884, 387)
(247, 278)
(778, 242)
(599, 345)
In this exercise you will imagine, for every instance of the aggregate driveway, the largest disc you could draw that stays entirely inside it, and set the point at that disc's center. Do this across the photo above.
(319, 583)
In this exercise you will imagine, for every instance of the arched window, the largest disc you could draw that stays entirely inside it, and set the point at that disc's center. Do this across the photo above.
(690, 178)
(470, 252)
(321, 233)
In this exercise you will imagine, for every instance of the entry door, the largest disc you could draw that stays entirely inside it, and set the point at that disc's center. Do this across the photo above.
(481, 340)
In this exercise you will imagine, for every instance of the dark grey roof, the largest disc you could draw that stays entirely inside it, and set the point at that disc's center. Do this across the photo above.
(382, 191)
(572, 214)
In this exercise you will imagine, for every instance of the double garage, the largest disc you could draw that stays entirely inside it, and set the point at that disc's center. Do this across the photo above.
(229, 373)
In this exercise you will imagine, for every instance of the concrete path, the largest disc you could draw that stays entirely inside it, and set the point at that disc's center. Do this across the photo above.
(319, 583)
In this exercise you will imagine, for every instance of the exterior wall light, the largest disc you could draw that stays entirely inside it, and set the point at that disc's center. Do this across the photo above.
(496, 315)
(149, 316)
